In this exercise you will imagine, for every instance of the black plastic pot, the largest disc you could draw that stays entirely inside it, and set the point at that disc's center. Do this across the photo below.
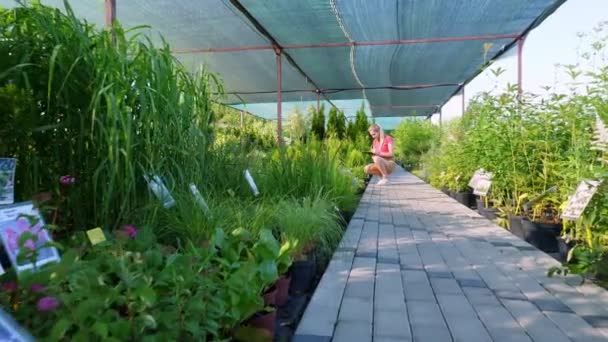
(489, 213)
(542, 235)
(564, 248)
(464, 198)
(515, 226)
(302, 276)
(445, 190)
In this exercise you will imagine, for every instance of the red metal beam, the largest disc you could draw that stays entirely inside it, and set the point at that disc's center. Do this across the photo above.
(348, 44)
(406, 107)
(110, 12)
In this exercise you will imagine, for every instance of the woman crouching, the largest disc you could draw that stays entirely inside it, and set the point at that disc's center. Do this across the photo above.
(382, 154)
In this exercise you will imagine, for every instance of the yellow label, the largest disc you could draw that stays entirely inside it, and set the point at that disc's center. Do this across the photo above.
(96, 235)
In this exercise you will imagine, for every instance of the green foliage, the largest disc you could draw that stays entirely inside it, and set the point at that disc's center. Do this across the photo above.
(336, 124)
(318, 122)
(297, 126)
(127, 289)
(413, 139)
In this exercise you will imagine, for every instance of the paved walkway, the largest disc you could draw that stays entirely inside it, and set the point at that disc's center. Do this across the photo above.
(415, 265)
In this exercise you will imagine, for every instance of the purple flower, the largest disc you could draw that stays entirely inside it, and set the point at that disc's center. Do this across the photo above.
(37, 288)
(47, 304)
(67, 180)
(129, 230)
(11, 286)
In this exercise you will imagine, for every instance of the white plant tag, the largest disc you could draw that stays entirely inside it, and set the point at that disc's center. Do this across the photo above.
(7, 180)
(581, 198)
(199, 199)
(157, 186)
(254, 187)
(13, 225)
(475, 177)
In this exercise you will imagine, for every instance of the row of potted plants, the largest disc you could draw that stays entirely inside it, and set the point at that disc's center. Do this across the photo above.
(538, 152)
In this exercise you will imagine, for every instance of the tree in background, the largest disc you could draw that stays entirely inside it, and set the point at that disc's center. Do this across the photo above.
(336, 123)
(297, 125)
(361, 123)
(318, 122)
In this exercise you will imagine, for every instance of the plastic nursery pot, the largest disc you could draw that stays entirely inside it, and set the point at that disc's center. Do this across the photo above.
(282, 290)
(542, 235)
(515, 226)
(445, 190)
(264, 320)
(302, 276)
(564, 248)
(270, 296)
(465, 198)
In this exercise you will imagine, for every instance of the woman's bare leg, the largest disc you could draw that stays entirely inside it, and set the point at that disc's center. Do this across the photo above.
(381, 164)
(372, 169)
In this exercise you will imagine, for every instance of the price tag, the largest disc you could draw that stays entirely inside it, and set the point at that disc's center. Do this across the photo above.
(157, 186)
(96, 236)
(581, 198)
(199, 199)
(13, 224)
(254, 187)
(7, 180)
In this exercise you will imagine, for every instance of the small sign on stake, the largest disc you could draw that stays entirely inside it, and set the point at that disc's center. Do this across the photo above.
(199, 199)
(475, 177)
(581, 198)
(96, 236)
(17, 220)
(7, 180)
(254, 187)
(157, 186)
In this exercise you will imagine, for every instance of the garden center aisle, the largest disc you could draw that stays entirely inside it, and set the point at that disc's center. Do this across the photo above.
(415, 265)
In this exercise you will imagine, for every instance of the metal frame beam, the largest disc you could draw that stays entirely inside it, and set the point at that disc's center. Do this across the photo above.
(348, 44)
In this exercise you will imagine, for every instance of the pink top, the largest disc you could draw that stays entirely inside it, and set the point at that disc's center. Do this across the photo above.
(384, 148)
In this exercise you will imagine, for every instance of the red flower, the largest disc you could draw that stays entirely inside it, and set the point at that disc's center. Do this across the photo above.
(67, 180)
(11, 286)
(129, 230)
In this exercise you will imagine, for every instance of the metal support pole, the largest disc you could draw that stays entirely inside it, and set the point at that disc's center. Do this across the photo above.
(440, 116)
(520, 48)
(463, 103)
(111, 16)
(277, 51)
(318, 100)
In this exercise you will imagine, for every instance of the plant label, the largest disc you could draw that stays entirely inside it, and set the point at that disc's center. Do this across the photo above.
(581, 198)
(20, 219)
(157, 186)
(1, 270)
(10, 330)
(475, 177)
(7, 180)
(199, 199)
(254, 187)
(96, 236)
(482, 186)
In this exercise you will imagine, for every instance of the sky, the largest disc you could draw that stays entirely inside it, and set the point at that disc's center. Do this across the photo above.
(555, 41)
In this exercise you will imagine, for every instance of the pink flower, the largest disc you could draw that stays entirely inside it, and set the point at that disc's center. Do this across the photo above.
(129, 230)
(67, 180)
(11, 286)
(37, 288)
(47, 304)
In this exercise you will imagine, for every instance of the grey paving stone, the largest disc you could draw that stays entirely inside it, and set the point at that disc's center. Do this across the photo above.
(382, 260)
(597, 321)
(392, 324)
(500, 324)
(575, 327)
(356, 309)
(427, 322)
(353, 332)
(537, 325)
(439, 274)
(471, 282)
(311, 338)
(455, 306)
(504, 294)
(445, 286)
(551, 305)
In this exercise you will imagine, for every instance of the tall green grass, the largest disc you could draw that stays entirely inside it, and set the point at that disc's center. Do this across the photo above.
(106, 113)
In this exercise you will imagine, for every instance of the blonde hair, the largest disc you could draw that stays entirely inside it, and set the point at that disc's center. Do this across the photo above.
(378, 129)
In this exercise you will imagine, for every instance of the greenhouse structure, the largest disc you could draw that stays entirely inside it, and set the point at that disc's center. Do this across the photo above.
(267, 170)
